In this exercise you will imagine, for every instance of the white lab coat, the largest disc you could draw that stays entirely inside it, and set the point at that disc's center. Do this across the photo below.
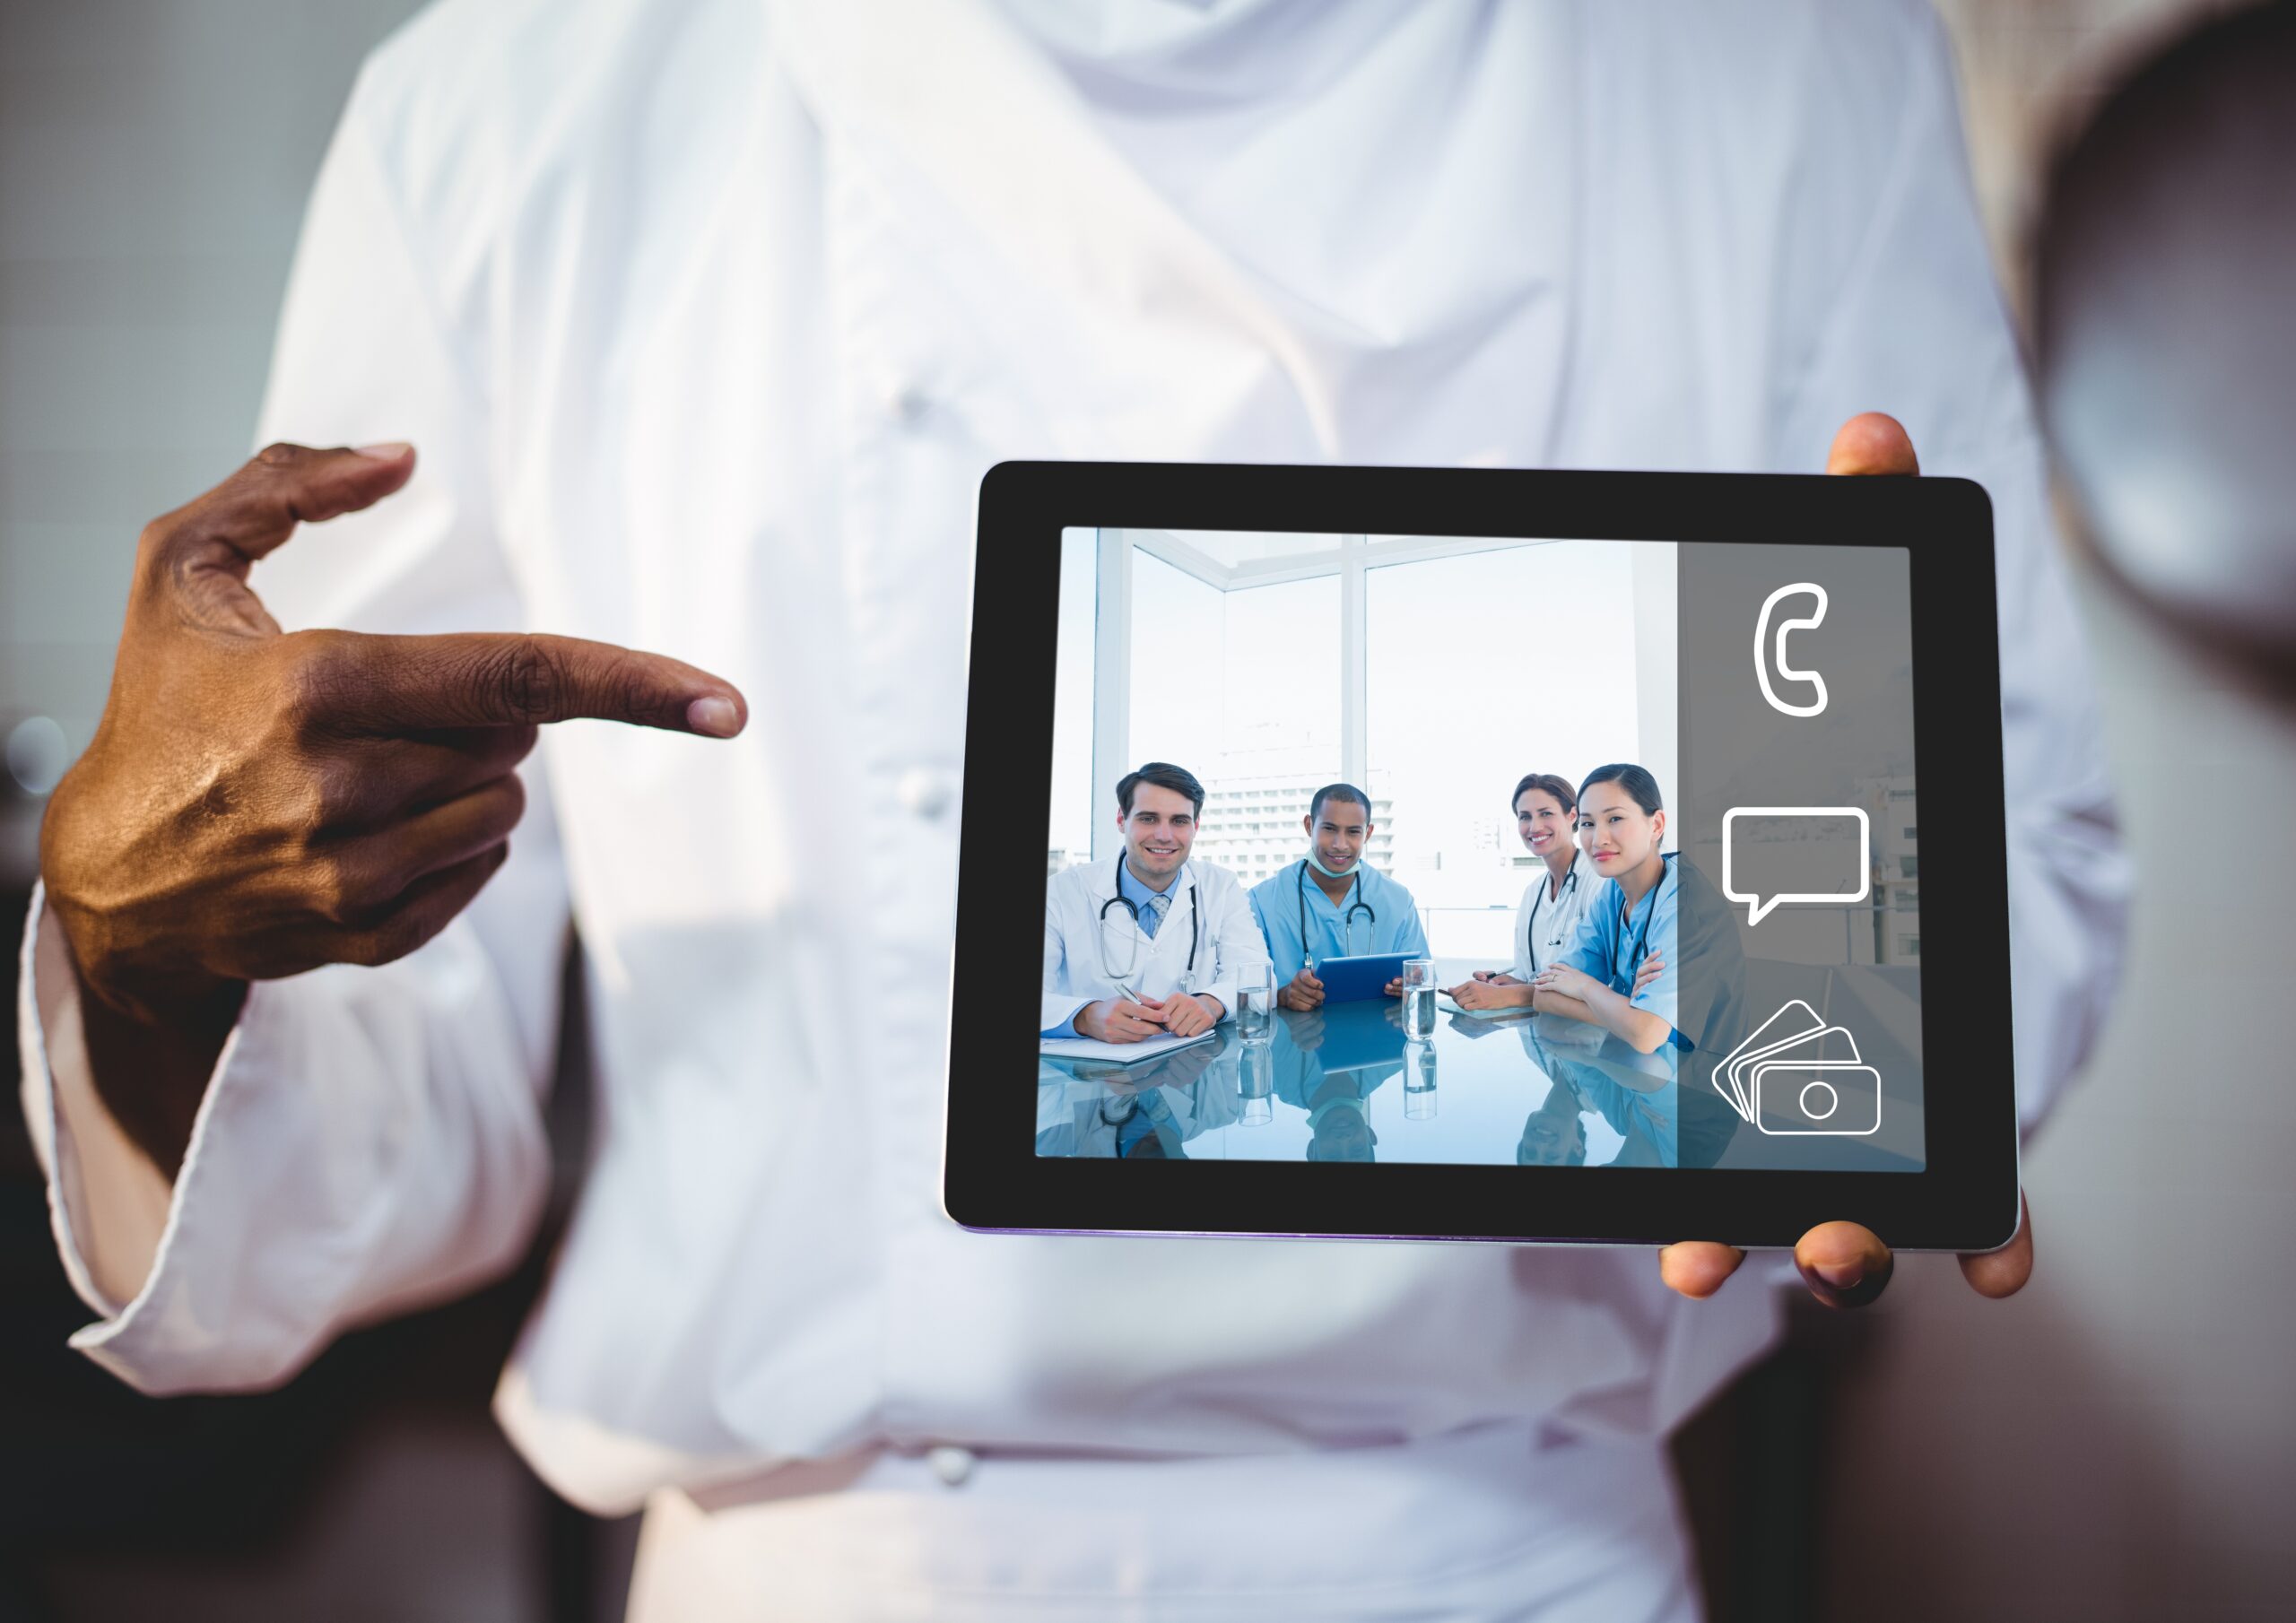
(1545, 923)
(708, 315)
(1227, 939)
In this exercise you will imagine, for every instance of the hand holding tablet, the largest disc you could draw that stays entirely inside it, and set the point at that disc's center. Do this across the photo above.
(1346, 980)
(1877, 581)
(1303, 992)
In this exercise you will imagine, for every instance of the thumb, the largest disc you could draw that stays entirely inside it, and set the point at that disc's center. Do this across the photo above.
(257, 509)
(204, 548)
(1871, 442)
(2004, 1272)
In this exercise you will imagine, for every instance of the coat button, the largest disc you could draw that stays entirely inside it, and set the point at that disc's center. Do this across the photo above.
(950, 1463)
(906, 402)
(924, 792)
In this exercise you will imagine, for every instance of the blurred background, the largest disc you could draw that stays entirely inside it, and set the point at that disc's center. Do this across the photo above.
(2119, 1441)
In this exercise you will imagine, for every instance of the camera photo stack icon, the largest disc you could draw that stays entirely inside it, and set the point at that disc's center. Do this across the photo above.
(1797, 1076)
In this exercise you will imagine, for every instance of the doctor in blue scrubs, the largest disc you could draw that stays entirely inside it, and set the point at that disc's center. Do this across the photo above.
(1329, 905)
(1637, 918)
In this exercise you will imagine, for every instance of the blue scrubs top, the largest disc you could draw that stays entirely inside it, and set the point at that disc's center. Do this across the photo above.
(1611, 948)
(1392, 926)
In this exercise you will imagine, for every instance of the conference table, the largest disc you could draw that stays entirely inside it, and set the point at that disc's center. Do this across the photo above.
(1344, 1083)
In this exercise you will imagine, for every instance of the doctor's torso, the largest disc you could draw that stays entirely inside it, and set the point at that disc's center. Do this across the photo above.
(749, 312)
(1371, 914)
(1104, 946)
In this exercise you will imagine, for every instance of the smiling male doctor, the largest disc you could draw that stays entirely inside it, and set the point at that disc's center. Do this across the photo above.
(708, 317)
(1147, 943)
(1331, 903)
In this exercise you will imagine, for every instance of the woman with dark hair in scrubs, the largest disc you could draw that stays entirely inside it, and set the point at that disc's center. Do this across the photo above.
(1635, 922)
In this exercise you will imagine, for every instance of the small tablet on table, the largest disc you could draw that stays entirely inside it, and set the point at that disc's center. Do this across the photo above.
(1347, 979)
(1784, 660)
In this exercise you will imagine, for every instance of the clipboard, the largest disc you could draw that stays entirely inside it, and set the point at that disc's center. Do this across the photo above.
(1120, 1054)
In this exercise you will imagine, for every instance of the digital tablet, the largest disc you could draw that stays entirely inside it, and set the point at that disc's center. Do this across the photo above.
(1187, 679)
(1346, 979)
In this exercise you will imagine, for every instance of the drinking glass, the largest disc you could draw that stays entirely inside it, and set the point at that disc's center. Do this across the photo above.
(1419, 999)
(1255, 1006)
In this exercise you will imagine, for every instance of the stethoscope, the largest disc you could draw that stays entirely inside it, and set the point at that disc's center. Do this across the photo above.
(1132, 961)
(1346, 919)
(1539, 900)
(1641, 948)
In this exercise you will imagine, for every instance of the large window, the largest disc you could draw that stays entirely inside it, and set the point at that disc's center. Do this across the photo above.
(1536, 672)
(1269, 664)
(1241, 687)
(1177, 646)
(1279, 734)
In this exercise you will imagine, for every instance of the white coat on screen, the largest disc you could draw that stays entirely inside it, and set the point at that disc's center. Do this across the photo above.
(1092, 950)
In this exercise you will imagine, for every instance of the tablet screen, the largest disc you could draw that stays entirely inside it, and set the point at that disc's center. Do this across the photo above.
(1647, 808)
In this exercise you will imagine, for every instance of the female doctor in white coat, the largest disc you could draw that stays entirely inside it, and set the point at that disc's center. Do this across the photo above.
(1149, 943)
(1546, 811)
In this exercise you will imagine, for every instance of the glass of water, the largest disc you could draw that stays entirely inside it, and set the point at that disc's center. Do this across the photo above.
(1256, 1005)
(1419, 999)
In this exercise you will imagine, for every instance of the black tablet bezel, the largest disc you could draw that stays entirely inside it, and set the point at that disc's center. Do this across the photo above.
(1965, 1199)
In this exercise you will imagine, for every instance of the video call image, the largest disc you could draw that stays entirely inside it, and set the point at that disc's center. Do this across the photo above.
(1466, 850)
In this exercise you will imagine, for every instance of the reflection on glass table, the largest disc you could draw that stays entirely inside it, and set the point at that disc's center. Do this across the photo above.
(1344, 1084)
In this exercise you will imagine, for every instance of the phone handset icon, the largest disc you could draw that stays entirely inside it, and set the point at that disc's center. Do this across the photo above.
(1764, 650)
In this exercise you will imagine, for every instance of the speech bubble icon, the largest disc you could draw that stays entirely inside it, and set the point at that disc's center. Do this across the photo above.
(1775, 854)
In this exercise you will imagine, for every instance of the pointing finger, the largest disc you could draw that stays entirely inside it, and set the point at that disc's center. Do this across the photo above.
(391, 684)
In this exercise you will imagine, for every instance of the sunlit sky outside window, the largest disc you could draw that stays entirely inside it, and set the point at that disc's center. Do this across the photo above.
(1235, 684)
(1479, 669)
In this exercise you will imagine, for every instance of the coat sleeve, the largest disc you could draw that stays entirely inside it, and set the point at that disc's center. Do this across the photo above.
(1272, 926)
(1235, 932)
(370, 1138)
(1917, 328)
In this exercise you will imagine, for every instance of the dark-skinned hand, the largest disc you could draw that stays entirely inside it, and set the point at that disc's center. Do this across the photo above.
(256, 803)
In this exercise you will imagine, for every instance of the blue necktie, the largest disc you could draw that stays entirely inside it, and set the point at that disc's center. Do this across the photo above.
(1158, 904)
